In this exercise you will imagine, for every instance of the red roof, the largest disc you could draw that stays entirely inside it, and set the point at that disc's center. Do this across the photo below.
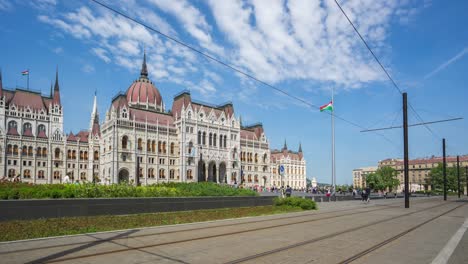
(24, 99)
(28, 133)
(13, 131)
(71, 137)
(432, 160)
(141, 115)
(42, 134)
(247, 134)
(277, 155)
(143, 91)
(96, 129)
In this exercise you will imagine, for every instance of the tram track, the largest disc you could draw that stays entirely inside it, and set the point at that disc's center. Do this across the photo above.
(339, 233)
(139, 248)
(215, 226)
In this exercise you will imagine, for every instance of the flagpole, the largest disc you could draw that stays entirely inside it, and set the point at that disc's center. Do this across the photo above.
(28, 79)
(333, 141)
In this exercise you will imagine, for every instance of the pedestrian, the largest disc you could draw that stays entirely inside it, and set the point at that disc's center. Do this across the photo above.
(363, 195)
(368, 192)
(288, 191)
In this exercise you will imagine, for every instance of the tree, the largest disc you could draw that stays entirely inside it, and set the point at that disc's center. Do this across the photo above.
(436, 178)
(383, 178)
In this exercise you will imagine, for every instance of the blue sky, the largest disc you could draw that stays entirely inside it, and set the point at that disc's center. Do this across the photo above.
(304, 47)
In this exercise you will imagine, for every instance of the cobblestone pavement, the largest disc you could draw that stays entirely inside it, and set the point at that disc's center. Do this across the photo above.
(381, 231)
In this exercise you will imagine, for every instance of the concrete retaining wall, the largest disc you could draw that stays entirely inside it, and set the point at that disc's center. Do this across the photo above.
(51, 208)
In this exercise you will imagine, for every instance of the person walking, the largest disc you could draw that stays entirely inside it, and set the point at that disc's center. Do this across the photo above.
(288, 191)
(368, 192)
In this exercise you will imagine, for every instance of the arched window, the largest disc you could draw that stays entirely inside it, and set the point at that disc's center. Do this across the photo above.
(44, 152)
(73, 154)
(27, 129)
(225, 140)
(214, 140)
(57, 153)
(189, 175)
(39, 151)
(159, 146)
(96, 155)
(9, 149)
(140, 143)
(86, 155)
(171, 174)
(172, 148)
(83, 176)
(151, 173)
(199, 138)
(124, 142)
(27, 174)
(210, 142)
(153, 146)
(221, 141)
(24, 152)
(148, 145)
(265, 158)
(81, 155)
(256, 158)
(161, 174)
(56, 175)
(40, 174)
(69, 154)
(249, 178)
(204, 138)
(140, 172)
(164, 147)
(189, 115)
(12, 127)
(11, 173)
(41, 130)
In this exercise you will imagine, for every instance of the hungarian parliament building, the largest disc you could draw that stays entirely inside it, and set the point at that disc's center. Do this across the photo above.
(139, 142)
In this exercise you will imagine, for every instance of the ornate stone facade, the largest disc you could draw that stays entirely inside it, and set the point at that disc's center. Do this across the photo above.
(192, 142)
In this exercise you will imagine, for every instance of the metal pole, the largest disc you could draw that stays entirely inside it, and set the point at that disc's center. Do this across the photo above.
(405, 140)
(466, 180)
(444, 170)
(137, 179)
(458, 175)
(333, 142)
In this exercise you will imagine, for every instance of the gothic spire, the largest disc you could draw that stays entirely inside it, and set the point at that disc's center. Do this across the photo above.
(94, 126)
(144, 69)
(285, 147)
(56, 100)
(51, 89)
(300, 147)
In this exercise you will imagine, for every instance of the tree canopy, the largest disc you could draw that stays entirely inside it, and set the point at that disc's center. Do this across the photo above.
(436, 177)
(383, 178)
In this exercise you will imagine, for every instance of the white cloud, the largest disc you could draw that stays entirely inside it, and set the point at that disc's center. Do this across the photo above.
(447, 63)
(88, 68)
(5, 5)
(102, 54)
(58, 50)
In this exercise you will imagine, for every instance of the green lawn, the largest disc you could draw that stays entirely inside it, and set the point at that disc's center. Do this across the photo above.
(27, 229)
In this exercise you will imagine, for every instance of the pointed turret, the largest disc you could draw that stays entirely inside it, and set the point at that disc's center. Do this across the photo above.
(51, 89)
(300, 147)
(285, 147)
(144, 69)
(94, 124)
(56, 100)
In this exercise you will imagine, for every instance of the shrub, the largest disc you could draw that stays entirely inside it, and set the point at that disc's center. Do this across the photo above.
(9, 190)
(304, 204)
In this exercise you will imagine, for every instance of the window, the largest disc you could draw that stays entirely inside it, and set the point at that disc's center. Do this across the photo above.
(153, 146)
(204, 138)
(159, 146)
(27, 174)
(124, 142)
(27, 129)
(161, 174)
(96, 155)
(15, 150)
(140, 172)
(140, 142)
(171, 174)
(40, 174)
(69, 154)
(164, 147)
(12, 125)
(148, 145)
(81, 155)
(9, 149)
(24, 152)
(210, 142)
(199, 138)
(189, 175)
(11, 173)
(214, 140)
(189, 115)
(56, 175)
(41, 129)
(221, 141)
(57, 153)
(83, 176)
(172, 148)
(151, 173)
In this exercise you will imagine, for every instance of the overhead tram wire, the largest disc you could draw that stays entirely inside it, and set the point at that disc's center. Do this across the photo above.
(229, 66)
(383, 68)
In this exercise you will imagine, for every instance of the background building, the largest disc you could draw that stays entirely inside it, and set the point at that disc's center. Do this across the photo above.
(359, 176)
(294, 166)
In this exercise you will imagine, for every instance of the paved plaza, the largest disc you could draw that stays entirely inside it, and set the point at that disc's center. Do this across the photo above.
(382, 231)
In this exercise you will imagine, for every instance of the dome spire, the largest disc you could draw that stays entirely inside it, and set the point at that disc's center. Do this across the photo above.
(144, 69)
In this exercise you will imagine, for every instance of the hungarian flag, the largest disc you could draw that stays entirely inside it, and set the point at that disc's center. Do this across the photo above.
(26, 72)
(328, 107)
